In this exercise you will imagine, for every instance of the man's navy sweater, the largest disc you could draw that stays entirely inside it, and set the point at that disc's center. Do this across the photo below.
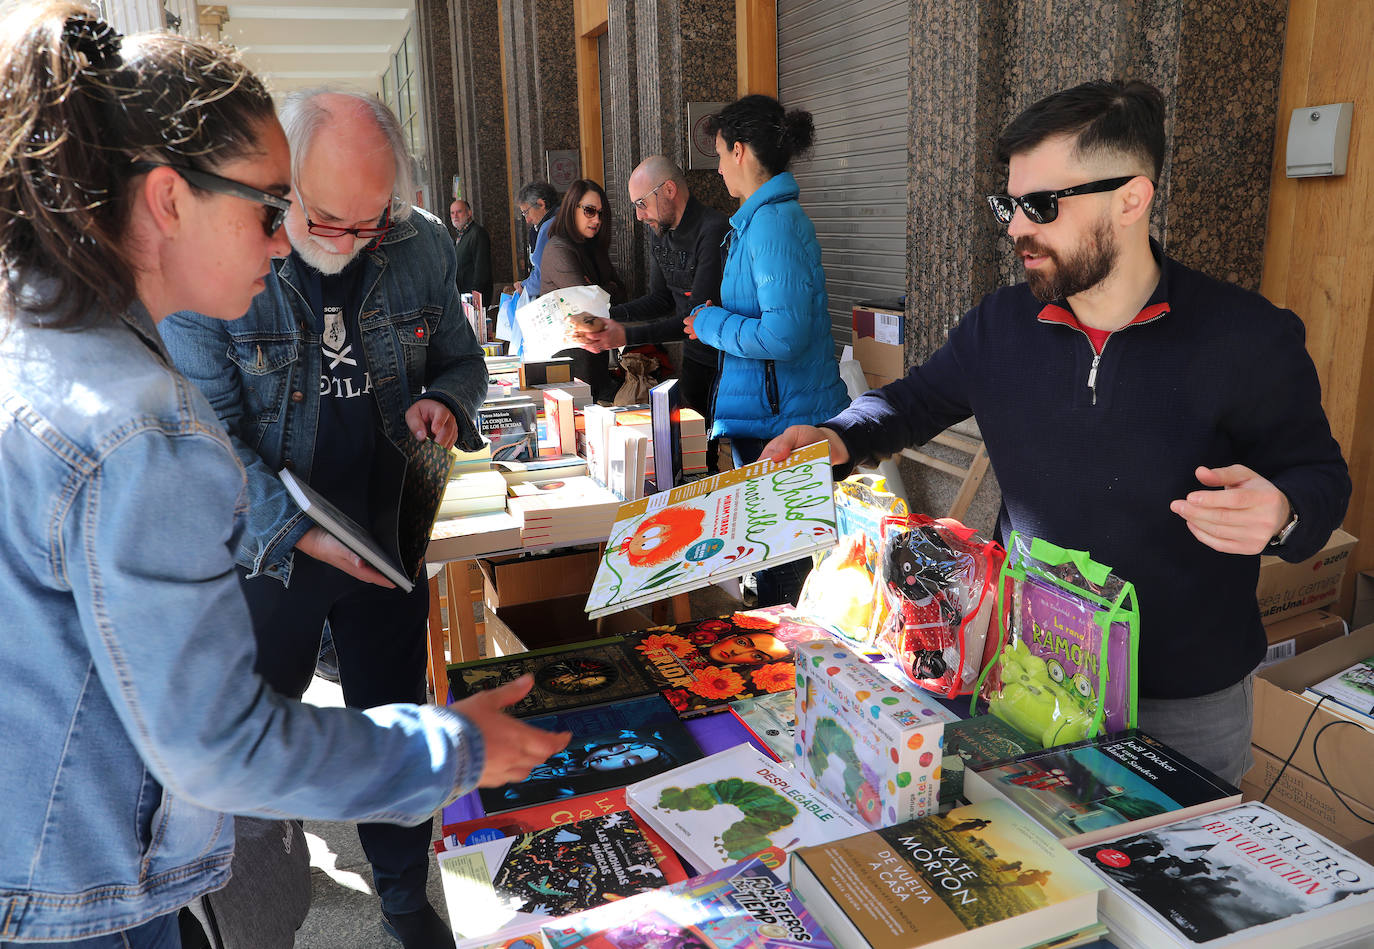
(1209, 375)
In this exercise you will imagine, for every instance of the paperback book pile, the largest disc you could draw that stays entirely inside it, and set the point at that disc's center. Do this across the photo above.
(562, 511)
(473, 492)
(1351, 690)
(501, 886)
(873, 746)
(460, 537)
(742, 906)
(556, 468)
(984, 876)
(1102, 787)
(717, 528)
(1243, 877)
(734, 805)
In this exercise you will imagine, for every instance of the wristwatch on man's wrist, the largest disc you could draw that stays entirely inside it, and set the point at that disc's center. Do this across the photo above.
(1278, 539)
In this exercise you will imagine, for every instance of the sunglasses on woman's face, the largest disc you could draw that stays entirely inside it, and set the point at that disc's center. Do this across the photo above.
(591, 210)
(276, 205)
(1042, 207)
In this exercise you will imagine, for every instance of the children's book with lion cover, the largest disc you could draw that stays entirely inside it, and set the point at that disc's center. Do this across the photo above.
(715, 529)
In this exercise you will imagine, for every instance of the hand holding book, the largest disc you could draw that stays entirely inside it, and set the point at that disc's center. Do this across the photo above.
(326, 548)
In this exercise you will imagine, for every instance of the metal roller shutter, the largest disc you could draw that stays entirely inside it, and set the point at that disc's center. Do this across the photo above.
(846, 64)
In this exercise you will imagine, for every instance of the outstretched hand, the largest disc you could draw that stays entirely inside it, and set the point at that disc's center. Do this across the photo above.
(799, 436)
(512, 747)
(1242, 517)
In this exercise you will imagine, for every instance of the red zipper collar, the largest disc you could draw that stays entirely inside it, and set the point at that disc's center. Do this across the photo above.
(1054, 313)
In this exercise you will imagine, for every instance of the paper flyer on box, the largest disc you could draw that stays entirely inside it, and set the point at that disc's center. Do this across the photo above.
(717, 528)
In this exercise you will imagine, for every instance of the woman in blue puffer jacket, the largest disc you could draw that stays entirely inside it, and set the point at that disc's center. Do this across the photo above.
(772, 327)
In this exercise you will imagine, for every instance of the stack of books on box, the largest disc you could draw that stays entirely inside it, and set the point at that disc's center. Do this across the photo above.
(562, 511)
(473, 492)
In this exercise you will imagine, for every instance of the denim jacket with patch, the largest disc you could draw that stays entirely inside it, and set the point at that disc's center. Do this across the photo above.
(262, 372)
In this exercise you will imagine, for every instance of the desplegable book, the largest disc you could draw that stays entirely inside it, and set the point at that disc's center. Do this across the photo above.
(703, 665)
(742, 906)
(583, 674)
(611, 746)
(984, 876)
(734, 805)
(500, 882)
(1243, 877)
(1102, 787)
(717, 528)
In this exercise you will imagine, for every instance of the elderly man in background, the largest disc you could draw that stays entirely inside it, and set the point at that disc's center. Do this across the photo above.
(473, 247)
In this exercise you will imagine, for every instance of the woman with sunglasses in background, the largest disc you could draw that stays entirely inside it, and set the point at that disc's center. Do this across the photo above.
(141, 176)
(771, 325)
(578, 255)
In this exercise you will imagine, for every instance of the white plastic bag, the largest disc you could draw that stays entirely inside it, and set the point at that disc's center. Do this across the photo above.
(546, 324)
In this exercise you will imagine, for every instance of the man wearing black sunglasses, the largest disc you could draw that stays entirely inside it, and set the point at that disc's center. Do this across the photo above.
(358, 344)
(1168, 423)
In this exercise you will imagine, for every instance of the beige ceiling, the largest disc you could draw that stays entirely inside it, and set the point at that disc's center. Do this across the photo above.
(297, 44)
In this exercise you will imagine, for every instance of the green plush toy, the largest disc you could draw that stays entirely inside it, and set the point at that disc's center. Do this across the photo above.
(1033, 703)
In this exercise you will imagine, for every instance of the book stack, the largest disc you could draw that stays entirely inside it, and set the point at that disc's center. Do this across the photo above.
(694, 440)
(984, 876)
(735, 805)
(558, 468)
(555, 370)
(1103, 787)
(512, 426)
(473, 492)
(1246, 876)
(562, 511)
(503, 376)
(627, 462)
(561, 421)
(1349, 693)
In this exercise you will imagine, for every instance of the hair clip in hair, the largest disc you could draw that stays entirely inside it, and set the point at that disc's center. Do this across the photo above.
(94, 41)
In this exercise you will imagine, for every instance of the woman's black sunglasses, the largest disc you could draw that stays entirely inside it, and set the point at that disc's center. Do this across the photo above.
(1042, 207)
(276, 204)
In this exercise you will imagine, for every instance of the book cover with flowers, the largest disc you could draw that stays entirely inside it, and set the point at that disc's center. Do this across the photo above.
(715, 529)
(704, 665)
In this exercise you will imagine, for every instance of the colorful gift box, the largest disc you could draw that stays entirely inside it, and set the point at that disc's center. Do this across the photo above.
(872, 745)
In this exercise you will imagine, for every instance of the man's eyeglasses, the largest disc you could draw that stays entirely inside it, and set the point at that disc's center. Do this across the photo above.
(592, 210)
(333, 230)
(1042, 207)
(276, 204)
(643, 203)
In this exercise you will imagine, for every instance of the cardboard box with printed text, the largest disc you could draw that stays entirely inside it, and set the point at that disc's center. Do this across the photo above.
(1297, 634)
(879, 344)
(1286, 723)
(1287, 589)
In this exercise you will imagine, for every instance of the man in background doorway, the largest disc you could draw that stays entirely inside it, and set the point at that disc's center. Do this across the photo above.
(473, 246)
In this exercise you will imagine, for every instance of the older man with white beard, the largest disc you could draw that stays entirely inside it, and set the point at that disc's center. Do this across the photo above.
(357, 343)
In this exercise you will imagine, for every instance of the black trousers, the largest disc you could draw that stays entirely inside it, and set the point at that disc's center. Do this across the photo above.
(379, 635)
(698, 382)
(780, 583)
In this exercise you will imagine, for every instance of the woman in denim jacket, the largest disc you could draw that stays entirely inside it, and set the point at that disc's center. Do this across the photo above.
(139, 177)
(771, 324)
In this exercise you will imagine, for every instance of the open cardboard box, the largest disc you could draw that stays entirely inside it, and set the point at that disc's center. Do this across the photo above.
(1281, 717)
(515, 580)
(513, 629)
(1287, 589)
(1308, 800)
(1297, 634)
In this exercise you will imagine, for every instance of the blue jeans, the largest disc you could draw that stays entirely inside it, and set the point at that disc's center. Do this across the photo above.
(159, 933)
(782, 582)
(379, 636)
